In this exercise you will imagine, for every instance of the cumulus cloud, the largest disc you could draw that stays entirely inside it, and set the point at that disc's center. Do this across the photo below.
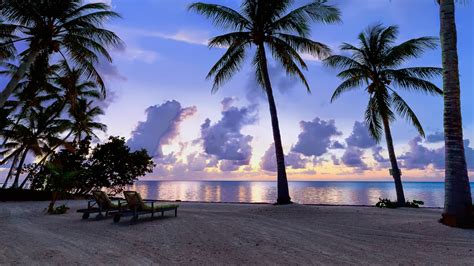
(315, 138)
(377, 154)
(353, 157)
(224, 139)
(419, 156)
(435, 137)
(198, 161)
(336, 145)
(160, 127)
(229, 166)
(360, 137)
(335, 160)
(293, 160)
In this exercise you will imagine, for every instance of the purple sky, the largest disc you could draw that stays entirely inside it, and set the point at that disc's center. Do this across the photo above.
(159, 99)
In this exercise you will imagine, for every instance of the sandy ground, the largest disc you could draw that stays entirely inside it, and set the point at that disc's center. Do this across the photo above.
(234, 234)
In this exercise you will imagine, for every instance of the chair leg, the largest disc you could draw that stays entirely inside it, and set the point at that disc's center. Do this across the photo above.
(99, 216)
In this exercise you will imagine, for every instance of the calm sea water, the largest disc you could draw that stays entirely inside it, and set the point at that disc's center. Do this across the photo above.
(311, 192)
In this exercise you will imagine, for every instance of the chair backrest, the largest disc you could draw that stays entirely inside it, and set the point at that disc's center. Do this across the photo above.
(102, 199)
(134, 200)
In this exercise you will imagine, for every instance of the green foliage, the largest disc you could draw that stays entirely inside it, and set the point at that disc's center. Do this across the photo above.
(266, 24)
(113, 166)
(374, 65)
(65, 27)
(386, 203)
(110, 165)
(61, 209)
(414, 204)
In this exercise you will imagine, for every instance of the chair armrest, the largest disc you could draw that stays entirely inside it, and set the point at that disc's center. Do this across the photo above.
(91, 203)
(150, 200)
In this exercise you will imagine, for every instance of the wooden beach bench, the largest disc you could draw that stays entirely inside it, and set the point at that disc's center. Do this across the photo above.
(102, 204)
(136, 206)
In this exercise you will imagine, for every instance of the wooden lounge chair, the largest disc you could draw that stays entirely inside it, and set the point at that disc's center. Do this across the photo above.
(102, 204)
(136, 206)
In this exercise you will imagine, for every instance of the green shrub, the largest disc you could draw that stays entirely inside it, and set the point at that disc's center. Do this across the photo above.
(386, 203)
(62, 209)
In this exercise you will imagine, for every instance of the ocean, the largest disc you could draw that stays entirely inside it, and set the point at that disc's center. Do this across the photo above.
(305, 192)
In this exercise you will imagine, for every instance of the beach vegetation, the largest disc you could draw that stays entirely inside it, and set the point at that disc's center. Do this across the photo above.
(267, 28)
(68, 29)
(110, 165)
(387, 203)
(375, 65)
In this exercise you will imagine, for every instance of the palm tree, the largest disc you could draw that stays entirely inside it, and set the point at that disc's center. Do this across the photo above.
(35, 134)
(66, 27)
(84, 123)
(67, 88)
(375, 63)
(458, 200)
(267, 25)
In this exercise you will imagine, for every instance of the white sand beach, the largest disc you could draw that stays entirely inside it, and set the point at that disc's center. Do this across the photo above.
(205, 233)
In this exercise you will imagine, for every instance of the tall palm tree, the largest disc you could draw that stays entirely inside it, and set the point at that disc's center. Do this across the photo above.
(35, 134)
(374, 64)
(67, 87)
(66, 27)
(458, 200)
(83, 120)
(272, 25)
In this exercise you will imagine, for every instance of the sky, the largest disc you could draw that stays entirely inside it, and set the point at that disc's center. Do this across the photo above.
(160, 100)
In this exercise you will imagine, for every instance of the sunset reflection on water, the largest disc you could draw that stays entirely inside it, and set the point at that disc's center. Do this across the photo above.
(337, 193)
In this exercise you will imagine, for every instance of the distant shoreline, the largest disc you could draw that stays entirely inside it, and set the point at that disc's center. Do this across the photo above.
(295, 181)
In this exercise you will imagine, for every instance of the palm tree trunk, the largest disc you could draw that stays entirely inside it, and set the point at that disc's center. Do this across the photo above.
(458, 200)
(18, 169)
(12, 84)
(395, 171)
(283, 193)
(10, 172)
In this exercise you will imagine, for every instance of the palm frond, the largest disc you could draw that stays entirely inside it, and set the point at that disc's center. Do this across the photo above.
(404, 110)
(221, 16)
(297, 19)
(408, 50)
(305, 45)
(226, 67)
(347, 85)
(374, 120)
(286, 58)
(403, 80)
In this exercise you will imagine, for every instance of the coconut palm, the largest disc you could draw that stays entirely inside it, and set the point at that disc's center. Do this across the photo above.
(66, 27)
(34, 134)
(83, 120)
(458, 200)
(73, 85)
(375, 65)
(267, 25)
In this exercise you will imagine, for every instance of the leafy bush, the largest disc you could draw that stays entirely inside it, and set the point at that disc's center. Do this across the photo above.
(62, 209)
(386, 203)
(414, 204)
(78, 171)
